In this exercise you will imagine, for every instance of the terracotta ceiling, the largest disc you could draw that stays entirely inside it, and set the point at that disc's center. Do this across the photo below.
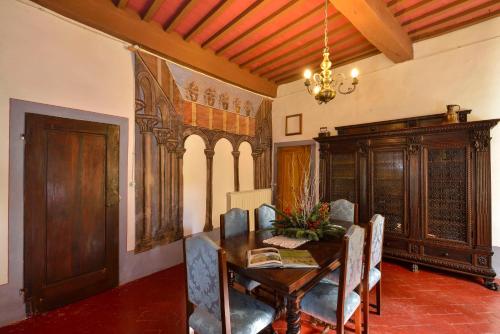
(276, 40)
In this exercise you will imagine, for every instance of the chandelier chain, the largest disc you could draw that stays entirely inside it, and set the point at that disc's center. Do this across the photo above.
(326, 24)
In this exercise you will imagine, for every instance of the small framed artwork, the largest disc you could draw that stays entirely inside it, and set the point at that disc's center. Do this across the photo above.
(293, 125)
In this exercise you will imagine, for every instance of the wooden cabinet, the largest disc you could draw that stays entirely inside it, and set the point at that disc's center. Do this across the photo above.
(430, 179)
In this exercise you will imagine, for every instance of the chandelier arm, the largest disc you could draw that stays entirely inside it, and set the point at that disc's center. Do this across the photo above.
(349, 90)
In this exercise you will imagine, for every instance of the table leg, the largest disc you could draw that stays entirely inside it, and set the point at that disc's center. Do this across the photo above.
(293, 315)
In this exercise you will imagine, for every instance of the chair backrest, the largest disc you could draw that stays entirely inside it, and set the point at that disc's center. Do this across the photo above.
(342, 209)
(375, 240)
(206, 273)
(264, 217)
(234, 222)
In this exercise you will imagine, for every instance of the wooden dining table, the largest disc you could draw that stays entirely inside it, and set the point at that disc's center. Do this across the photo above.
(287, 282)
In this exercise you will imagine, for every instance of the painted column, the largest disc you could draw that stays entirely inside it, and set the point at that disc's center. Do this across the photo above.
(146, 124)
(236, 159)
(256, 168)
(173, 194)
(179, 230)
(161, 135)
(209, 153)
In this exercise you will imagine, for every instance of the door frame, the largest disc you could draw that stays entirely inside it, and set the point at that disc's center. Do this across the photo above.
(312, 144)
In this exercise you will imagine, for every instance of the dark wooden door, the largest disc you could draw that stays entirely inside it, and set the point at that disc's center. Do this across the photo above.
(294, 168)
(70, 210)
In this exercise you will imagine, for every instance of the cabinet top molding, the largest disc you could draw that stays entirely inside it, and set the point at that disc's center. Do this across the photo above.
(406, 126)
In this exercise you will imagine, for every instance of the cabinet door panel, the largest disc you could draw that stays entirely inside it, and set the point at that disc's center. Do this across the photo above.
(446, 200)
(343, 176)
(388, 183)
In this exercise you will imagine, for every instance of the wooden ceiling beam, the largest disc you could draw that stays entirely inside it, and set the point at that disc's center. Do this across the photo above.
(122, 3)
(430, 32)
(375, 21)
(456, 16)
(287, 9)
(435, 12)
(291, 41)
(129, 27)
(283, 31)
(224, 30)
(416, 6)
(180, 15)
(153, 8)
(355, 57)
(210, 17)
(334, 45)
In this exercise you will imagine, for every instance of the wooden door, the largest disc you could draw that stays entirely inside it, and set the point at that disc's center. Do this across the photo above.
(70, 210)
(294, 168)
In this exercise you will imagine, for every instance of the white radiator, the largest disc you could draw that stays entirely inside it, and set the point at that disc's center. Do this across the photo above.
(249, 200)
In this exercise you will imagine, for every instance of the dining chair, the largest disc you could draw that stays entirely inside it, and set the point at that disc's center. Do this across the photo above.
(334, 303)
(372, 265)
(232, 223)
(264, 217)
(212, 306)
(344, 210)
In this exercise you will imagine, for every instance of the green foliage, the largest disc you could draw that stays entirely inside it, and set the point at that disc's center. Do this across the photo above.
(313, 225)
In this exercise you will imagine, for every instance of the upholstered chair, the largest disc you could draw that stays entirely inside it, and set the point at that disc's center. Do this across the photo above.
(212, 306)
(373, 265)
(334, 303)
(264, 217)
(233, 223)
(344, 210)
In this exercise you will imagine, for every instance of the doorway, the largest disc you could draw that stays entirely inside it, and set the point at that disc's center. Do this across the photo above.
(70, 210)
(294, 169)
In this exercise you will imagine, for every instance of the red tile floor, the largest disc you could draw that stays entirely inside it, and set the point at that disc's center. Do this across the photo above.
(423, 302)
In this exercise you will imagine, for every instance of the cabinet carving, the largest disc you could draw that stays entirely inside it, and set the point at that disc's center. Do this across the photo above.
(429, 178)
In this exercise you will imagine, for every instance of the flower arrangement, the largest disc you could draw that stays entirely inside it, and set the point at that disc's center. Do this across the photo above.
(313, 223)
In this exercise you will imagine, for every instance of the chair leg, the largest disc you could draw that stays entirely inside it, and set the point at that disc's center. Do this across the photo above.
(366, 310)
(379, 297)
(357, 316)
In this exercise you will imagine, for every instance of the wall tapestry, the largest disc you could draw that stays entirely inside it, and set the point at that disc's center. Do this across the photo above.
(171, 105)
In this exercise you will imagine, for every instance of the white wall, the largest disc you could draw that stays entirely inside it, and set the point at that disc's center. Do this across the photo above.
(462, 68)
(45, 59)
(194, 182)
(223, 179)
(245, 167)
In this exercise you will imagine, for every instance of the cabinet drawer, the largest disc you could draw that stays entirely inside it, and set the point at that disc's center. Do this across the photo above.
(396, 244)
(450, 254)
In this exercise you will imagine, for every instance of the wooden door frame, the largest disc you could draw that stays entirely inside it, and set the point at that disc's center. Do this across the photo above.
(276, 146)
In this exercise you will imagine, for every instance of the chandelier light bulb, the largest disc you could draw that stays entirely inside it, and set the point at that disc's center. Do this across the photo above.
(354, 73)
(307, 74)
(316, 90)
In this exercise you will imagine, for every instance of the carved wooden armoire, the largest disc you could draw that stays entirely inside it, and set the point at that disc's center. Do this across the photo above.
(428, 177)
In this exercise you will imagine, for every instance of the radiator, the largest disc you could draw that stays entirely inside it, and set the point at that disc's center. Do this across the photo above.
(249, 200)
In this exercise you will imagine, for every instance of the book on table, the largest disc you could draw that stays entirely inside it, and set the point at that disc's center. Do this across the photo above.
(270, 257)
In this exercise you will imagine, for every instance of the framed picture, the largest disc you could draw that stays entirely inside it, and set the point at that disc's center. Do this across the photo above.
(293, 125)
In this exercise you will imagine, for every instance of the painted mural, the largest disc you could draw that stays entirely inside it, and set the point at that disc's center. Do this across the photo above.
(166, 113)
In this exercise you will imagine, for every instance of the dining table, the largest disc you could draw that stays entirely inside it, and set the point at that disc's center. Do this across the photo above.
(289, 283)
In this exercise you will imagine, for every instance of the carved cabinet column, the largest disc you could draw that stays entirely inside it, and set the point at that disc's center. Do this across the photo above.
(146, 124)
(236, 159)
(209, 153)
(323, 172)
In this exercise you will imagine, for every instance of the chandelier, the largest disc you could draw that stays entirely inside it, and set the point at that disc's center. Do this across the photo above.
(324, 85)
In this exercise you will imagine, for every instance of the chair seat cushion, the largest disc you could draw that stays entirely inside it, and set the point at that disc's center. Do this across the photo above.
(321, 302)
(248, 316)
(247, 283)
(375, 276)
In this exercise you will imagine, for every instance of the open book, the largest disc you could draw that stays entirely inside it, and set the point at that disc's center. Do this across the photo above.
(270, 257)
